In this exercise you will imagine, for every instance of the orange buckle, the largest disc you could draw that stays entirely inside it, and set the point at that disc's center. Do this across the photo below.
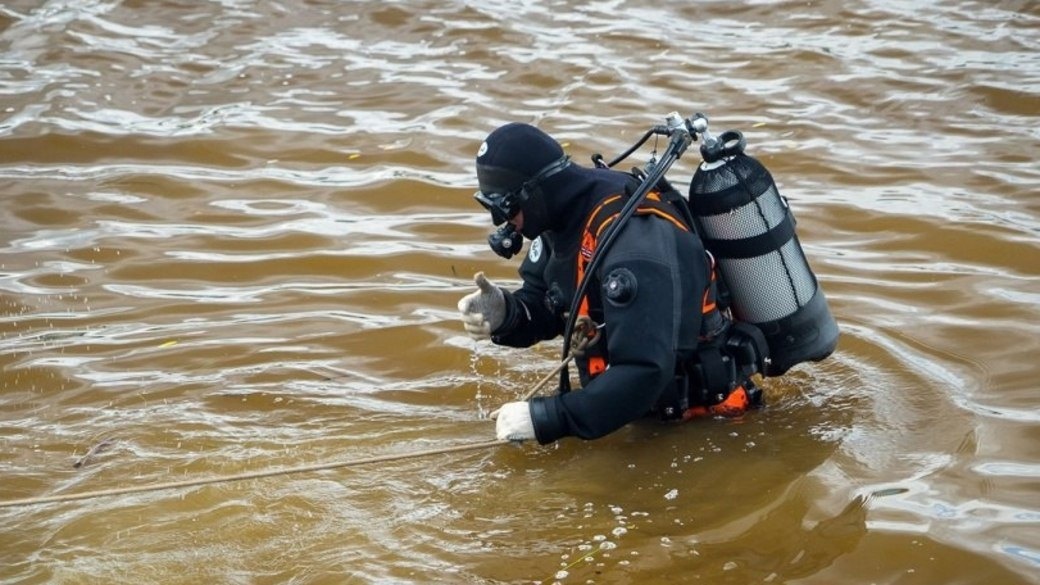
(736, 404)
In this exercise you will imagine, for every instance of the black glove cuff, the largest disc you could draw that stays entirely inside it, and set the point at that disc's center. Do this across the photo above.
(515, 311)
(548, 420)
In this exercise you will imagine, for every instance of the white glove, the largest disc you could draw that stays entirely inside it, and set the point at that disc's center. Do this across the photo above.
(484, 310)
(514, 422)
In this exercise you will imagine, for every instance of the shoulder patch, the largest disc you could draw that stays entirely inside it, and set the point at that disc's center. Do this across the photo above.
(534, 254)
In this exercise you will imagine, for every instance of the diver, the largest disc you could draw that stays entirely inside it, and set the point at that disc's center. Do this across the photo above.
(655, 340)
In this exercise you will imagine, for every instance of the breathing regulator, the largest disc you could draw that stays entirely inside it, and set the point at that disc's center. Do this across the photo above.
(507, 241)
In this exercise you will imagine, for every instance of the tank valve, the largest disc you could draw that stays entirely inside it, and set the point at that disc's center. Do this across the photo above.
(698, 124)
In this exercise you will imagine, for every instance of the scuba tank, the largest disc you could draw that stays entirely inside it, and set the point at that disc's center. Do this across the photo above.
(749, 228)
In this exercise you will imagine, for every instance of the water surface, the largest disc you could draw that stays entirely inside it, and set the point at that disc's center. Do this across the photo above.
(234, 234)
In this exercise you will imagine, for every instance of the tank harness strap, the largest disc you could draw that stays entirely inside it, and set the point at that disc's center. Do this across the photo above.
(595, 362)
(764, 243)
(713, 322)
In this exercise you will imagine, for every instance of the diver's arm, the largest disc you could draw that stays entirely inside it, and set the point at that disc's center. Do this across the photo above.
(528, 320)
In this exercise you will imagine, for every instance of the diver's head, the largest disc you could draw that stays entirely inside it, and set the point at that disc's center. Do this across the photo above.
(512, 163)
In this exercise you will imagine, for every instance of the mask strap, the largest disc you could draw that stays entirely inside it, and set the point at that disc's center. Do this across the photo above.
(543, 174)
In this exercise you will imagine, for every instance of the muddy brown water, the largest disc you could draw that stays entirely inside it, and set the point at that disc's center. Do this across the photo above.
(234, 233)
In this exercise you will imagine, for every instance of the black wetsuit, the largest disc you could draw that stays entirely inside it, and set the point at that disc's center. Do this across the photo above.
(644, 334)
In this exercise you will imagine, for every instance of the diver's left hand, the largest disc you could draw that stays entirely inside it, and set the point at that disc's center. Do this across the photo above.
(514, 422)
(484, 310)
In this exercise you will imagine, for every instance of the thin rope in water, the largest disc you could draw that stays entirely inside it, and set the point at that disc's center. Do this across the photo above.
(250, 475)
(579, 345)
(577, 349)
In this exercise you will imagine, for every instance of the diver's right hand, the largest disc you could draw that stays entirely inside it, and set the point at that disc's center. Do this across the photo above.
(513, 422)
(484, 310)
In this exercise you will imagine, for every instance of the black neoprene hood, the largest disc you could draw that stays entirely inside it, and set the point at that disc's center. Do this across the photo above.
(513, 154)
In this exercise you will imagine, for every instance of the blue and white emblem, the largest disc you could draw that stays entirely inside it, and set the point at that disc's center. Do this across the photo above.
(535, 252)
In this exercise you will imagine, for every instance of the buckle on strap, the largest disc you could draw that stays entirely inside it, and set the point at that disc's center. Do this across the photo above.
(748, 345)
(715, 374)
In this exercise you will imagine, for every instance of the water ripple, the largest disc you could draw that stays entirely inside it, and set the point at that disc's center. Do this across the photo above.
(235, 233)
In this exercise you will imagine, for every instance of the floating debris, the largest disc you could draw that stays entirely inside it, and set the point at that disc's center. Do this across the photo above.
(889, 492)
(93, 452)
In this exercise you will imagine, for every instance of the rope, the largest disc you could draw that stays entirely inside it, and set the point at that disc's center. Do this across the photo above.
(245, 476)
(589, 333)
(538, 386)
(589, 339)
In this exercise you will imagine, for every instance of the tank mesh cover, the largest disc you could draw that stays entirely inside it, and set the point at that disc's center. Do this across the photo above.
(770, 286)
